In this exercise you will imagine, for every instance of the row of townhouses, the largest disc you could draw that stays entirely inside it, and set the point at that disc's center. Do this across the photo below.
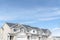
(14, 31)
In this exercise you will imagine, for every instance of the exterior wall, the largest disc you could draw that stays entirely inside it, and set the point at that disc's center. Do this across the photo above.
(56, 38)
(43, 38)
(0, 34)
(5, 32)
(53, 38)
(49, 39)
(21, 36)
(14, 38)
(34, 38)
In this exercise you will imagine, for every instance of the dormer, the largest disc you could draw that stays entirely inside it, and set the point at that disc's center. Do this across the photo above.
(16, 29)
(22, 29)
(33, 31)
(46, 32)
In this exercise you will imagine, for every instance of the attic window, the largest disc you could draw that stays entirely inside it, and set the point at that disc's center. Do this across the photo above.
(33, 31)
(21, 30)
(14, 29)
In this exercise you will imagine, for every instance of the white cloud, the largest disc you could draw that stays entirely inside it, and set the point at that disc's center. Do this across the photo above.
(28, 22)
(49, 18)
(43, 14)
(48, 14)
(6, 18)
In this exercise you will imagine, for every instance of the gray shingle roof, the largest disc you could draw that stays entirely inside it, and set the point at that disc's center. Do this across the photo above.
(44, 30)
(26, 26)
(10, 24)
(30, 28)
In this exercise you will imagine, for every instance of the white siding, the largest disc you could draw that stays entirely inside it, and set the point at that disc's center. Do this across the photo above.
(21, 36)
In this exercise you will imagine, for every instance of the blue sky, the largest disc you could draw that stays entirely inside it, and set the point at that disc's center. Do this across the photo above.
(38, 13)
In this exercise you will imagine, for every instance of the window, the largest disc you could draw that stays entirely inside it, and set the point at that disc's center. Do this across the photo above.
(21, 30)
(33, 31)
(14, 29)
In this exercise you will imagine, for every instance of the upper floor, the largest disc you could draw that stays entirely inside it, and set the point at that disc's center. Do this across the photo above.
(16, 28)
